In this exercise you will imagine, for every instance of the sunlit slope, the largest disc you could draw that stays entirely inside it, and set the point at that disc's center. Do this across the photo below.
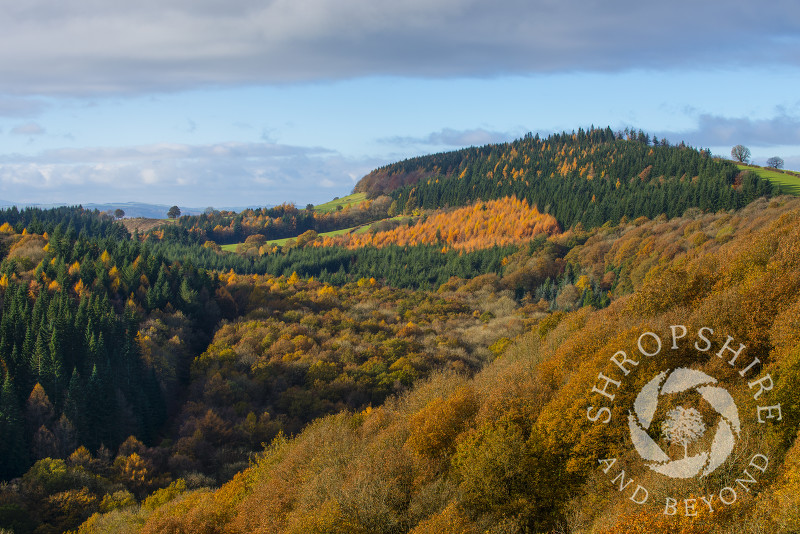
(788, 181)
(513, 447)
(591, 177)
(484, 224)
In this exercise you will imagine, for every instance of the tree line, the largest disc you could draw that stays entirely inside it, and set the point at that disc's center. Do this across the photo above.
(589, 177)
(277, 222)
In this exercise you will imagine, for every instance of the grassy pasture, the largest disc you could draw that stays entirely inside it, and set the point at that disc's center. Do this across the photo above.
(329, 206)
(788, 180)
(280, 242)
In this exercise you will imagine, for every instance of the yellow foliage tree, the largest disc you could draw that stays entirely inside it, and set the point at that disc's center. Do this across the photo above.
(436, 426)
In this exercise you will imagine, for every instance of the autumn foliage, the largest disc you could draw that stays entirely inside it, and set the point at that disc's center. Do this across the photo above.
(319, 389)
(510, 449)
(484, 224)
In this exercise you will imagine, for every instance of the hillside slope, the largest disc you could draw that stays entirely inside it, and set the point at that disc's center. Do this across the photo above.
(483, 225)
(589, 177)
(512, 450)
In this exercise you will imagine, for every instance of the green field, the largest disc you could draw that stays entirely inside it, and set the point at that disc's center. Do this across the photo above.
(280, 242)
(789, 181)
(327, 207)
(355, 230)
(355, 198)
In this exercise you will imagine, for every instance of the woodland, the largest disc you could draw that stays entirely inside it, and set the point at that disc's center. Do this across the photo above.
(418, 361)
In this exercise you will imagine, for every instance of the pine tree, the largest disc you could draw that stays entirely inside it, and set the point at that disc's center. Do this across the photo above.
(102, 423)
(75, 405)
(54, 367)
(38, 358)
(13, 452)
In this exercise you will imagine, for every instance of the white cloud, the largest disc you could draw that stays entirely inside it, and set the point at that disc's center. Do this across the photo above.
(149, 176)
(166, 152)
(217, 174)
(117, 46)
(454, 138)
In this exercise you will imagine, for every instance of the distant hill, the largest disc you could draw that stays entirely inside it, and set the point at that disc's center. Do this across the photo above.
(589, 177)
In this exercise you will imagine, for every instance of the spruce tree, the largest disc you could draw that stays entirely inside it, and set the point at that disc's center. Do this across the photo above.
(13, 450)
(75, 405)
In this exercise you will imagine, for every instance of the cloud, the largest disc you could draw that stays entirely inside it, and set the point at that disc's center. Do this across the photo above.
(714, 130)
(20, 107)
(453, 138)
(29, 128)
(215, 174)
(792, 162)
(177, 44)
(159, 152)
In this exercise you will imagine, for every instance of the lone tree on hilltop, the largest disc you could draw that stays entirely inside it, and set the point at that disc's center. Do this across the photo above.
(775, 162)
(740, 153)
(174, 212)
(119, 213)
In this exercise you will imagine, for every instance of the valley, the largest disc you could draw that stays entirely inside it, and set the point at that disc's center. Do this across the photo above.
(414, 357)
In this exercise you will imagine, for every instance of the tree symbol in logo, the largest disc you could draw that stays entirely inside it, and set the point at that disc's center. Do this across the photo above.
(684, 426)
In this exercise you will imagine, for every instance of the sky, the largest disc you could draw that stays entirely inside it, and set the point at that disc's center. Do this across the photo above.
(256, 102)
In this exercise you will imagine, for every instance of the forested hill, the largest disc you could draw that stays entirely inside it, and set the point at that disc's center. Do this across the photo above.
(589, 177)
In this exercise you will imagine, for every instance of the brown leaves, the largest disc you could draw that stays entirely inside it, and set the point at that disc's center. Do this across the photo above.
(435, 427)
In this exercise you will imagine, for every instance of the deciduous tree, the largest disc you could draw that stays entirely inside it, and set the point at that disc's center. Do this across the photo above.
(775, 162)
(740, 153)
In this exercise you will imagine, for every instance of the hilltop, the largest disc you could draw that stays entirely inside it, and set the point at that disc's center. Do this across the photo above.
(590, 177)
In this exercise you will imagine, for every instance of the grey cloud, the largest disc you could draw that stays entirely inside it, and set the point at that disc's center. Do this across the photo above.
(475, 137)
(29, 128)
(177, 44)
(713, 130)
(167, 152)
(20, 107)
(218, 174)
(454, 138)
(791, 162)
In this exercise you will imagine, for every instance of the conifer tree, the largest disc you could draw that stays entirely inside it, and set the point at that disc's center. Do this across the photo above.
(54, 367)
(74, 404)
(13, 451)
(38, 358)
